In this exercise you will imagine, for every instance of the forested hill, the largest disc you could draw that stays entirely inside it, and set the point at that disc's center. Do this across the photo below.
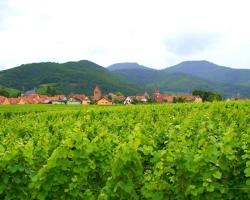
(67, 77)
(213, 72)
(188, 76)
(128, 78)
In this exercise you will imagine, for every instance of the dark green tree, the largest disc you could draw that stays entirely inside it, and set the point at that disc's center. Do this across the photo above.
(51, 91)
(4, 92)
(118, 94)
(208, 95)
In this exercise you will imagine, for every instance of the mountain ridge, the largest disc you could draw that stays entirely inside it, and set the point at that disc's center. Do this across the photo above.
(203, 72)
(129, 78)
(212, 72)
(80, 76)
(127, 65)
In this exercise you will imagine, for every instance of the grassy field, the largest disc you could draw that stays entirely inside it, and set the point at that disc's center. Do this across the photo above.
(168, 151)
(50, 107)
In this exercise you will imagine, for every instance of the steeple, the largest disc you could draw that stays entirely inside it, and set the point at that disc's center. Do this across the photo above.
(156, 89)
(97, 93)
(157, 94)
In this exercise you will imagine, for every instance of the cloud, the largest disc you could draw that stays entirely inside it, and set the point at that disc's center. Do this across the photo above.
(156, 33)
(3, 14)
(189, 43)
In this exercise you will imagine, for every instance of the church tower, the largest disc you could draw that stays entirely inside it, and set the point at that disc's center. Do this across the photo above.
(156, 90)
(157, 94)
(97, 93)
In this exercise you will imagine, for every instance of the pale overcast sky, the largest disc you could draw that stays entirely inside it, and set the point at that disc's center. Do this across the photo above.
(154, 33)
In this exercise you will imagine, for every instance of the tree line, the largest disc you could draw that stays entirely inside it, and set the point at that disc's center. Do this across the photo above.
(207, 95)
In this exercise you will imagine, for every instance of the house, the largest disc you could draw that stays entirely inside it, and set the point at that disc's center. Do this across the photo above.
(32, 99)
(138, 98)
(82, 98)
(30, 92)
(22, 100)
(167, 98)
(160, 98)
(141, 98)
(85, 101)
(104, 101)
(128, 101)
(190, 98)
(13, 100)
(197, 99)
(44, 99)
(74, 101)
(4, 100)
(57, 98)
(58, 102)
(115, 98)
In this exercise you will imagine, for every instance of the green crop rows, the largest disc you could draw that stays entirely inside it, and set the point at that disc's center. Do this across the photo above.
(181, 151)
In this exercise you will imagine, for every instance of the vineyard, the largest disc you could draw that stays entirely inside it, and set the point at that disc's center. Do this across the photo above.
(177, 151)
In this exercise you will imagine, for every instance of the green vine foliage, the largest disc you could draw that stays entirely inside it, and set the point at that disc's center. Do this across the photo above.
(181, 151)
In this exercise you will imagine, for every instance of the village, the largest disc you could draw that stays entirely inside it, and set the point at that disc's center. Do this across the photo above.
(31, 97)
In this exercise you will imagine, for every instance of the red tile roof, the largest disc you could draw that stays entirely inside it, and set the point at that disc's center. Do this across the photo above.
(164, 98)
(43, 98)
(2, 99)
(139, 98)
(14, 100)
(22, 100)
(104, 101)
(79, 97)
(190, 98)
(31, 100)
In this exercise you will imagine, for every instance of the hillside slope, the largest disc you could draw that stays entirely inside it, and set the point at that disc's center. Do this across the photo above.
(212, 72)
(68, 77)
(177, 79)
(185, 83)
